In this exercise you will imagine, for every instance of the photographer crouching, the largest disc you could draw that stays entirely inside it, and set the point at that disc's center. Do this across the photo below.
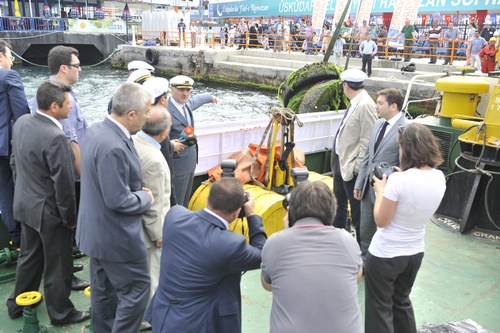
(202, 262)
(404, 202)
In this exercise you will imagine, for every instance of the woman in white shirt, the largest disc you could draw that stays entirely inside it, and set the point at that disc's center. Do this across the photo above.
(404, 203)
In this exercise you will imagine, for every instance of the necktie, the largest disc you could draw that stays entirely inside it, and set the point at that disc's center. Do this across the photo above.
(186, 114)
(381, 134)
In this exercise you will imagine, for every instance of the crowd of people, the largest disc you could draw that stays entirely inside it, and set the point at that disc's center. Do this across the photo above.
(443, 40)
(156, 265)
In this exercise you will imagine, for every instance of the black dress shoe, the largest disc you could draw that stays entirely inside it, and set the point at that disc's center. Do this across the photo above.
(77, 267)
(77, 317)
(79, 284)
(15, 313)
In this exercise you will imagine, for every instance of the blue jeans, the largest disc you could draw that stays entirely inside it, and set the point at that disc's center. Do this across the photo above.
(7, 200)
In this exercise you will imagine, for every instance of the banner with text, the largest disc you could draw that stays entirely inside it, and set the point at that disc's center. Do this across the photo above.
(364, 11)
(266, 8)
(403, 10)
(339, 8)
(108, 26)
(319, 13)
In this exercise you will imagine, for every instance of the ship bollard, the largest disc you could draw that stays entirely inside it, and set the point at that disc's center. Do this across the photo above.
(31, 324)
(86, 292)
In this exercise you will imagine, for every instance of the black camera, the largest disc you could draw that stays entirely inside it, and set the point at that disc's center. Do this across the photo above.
(298, 175)
(382, 169)
(228, 170)
(245, 200)
(188, 141)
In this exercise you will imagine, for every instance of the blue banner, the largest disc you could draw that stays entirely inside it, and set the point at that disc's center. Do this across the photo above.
(257, 8)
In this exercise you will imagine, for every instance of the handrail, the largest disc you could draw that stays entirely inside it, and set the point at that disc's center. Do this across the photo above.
(294, 42)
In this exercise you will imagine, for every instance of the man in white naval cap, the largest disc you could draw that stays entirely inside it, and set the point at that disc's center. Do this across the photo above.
(181, 106)
(139, 64)
(349, 146)
(139, 76)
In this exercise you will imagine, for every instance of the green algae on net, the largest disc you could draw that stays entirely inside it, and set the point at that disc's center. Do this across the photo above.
(312, 88)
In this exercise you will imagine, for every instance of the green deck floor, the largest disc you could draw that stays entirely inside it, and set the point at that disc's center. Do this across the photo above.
(459, 278)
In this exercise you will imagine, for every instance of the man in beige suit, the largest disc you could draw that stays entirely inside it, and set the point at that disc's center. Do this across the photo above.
(349, 146)
(155, 174)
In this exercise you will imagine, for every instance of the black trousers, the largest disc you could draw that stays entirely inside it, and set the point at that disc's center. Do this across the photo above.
(367, 61)
(7, 200)
(388, 283)
(344, 195)
(48, 253)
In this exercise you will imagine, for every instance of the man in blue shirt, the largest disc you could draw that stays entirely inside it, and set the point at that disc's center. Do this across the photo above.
(450, 37)
(368, 50)
(477, 43)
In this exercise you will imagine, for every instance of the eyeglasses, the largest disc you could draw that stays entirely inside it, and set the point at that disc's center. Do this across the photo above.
(11, 57)
(77, 66)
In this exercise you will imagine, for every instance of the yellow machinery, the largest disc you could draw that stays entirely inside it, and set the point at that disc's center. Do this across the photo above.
(460, 95)
(268, 205)
(470, 203)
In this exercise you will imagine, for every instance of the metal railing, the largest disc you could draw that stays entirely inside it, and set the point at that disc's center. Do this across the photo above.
(387, 48)
(33, 24)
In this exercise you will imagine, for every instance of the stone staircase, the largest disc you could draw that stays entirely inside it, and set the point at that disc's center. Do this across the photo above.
(385, 73)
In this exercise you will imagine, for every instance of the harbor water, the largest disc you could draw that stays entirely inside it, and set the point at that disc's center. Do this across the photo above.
(97, 85)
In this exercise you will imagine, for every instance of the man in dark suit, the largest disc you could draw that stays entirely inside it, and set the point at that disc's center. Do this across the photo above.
(44, 202)
(201, 264)
(112, 202)
(181, 106)
(65, 67)
(12, 106)
(382, 147)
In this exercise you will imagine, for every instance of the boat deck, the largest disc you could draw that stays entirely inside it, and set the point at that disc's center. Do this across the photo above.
(459, 279)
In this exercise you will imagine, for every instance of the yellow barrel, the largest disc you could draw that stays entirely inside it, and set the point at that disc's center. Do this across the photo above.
(460, 95)
(268, 205)
(317, 177)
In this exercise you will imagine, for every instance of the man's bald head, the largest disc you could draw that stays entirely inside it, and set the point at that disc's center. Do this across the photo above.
(158, 122)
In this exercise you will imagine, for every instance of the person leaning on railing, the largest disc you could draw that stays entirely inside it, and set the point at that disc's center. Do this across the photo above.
(409, 33)
(450, 36)
(435, 36)
(382, 39)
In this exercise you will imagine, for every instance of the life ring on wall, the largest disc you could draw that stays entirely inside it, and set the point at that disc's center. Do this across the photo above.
(152, 56)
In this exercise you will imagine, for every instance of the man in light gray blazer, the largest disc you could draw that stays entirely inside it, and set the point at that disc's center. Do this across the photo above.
(382, 147)
(350, 145)
(44, 203)
(112, 202)
(181, 106)
(155, 174)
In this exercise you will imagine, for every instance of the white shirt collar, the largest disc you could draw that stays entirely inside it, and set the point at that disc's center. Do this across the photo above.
(149, 138)
(54, 120)
(217, 216)
(394, 119)
(124, 130)
(177, 105)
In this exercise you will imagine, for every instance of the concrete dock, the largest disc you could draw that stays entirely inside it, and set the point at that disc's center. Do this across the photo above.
(258, 67)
